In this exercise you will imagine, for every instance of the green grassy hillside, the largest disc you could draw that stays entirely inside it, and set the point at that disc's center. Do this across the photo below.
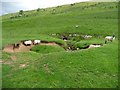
(54, 67)
(92, 20)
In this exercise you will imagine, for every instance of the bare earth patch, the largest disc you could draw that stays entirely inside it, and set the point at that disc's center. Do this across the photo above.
(8, 48)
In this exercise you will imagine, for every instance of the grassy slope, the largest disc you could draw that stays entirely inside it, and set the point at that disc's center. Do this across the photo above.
(86, 68)
(45, 22)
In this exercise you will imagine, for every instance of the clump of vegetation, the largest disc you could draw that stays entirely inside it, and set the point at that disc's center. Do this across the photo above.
(77, 39)
(46, 49)
(21, 12)
(82, 45)
(72, 4)
(71, 45)
(38, 9)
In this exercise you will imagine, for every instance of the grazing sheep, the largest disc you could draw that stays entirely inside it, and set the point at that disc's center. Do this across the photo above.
(37, 42)
(109, 38)
(27, 43)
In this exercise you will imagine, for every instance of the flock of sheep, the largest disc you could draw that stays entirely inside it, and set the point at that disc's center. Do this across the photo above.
(35, 42)
(30, 42)
(27, 43)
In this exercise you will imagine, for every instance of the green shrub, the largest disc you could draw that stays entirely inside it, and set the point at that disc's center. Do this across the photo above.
(82, 45)
(21, 12)
(71, 44)
(77, 39)
(38, 9)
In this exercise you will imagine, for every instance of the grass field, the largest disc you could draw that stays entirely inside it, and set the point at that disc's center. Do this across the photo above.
(53, 66)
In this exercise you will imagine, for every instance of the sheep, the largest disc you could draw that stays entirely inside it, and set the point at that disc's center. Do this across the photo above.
(37, 42)
(109, 38)
(27, 43)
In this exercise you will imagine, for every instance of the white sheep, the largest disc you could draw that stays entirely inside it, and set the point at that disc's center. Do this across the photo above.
(27, 43)
(37, 42)
(109, 38)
